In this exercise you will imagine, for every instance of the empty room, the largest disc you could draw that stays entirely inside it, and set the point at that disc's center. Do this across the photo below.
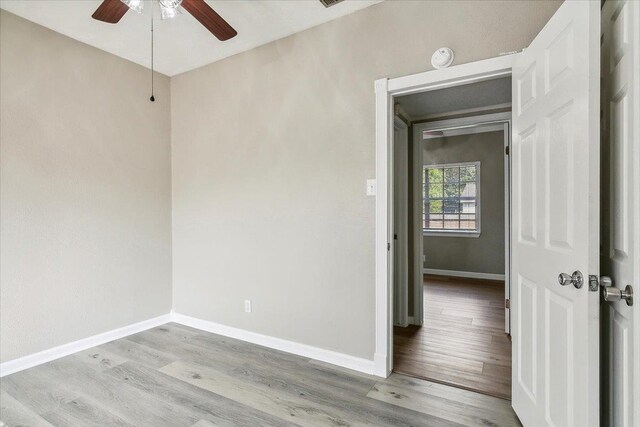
(319, 212)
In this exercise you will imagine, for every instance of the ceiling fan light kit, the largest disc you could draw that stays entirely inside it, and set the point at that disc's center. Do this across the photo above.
(135, 5)
(169, 8)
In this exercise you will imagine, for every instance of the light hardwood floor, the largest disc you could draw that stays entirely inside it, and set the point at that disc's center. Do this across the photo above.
(462, 341)
(177, 376)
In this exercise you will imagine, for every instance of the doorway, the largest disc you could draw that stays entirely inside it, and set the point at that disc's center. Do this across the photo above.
(555, 238)
(456, 330)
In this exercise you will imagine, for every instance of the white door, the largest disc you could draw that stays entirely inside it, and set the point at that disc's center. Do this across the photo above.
(621, 206)
(555, 206)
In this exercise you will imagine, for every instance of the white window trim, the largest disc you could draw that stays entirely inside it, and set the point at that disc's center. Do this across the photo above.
(458, 233)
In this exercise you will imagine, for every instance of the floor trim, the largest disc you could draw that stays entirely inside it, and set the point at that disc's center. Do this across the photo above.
(31, 360)
(329, 356)
(469, 274)
(304, 350)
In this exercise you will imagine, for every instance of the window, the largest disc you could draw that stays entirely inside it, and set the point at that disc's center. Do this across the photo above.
(452, 199)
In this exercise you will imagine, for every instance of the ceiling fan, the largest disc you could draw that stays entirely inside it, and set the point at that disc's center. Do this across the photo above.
(111, 11)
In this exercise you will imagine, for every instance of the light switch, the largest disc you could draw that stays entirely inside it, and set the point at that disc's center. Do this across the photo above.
(371, 187)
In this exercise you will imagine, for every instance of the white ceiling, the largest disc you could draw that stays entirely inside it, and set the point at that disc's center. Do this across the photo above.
(181, 44)
(457, 98)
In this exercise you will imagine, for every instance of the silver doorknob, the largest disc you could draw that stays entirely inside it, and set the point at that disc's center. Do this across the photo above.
(612, 294)
(575, 279)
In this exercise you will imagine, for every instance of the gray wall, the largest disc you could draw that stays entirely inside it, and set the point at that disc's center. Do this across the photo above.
(271, 150)
(484, 254)
(85, 190)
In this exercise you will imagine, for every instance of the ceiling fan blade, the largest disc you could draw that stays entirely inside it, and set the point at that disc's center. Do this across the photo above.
(110, 11)
(209, 18)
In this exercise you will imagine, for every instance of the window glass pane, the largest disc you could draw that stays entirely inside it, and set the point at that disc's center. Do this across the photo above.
(451, 225)
(435, 175)
(451, 174)
(435, 221)
(468, 173)
(467, 224)
(436, 191)
(451, 190)
(468, 189)
(468, 206)
(451, 207)
(435, 206)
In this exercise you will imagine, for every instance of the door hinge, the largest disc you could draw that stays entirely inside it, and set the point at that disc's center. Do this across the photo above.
(506, 150)
(388, 246)
(507, 303)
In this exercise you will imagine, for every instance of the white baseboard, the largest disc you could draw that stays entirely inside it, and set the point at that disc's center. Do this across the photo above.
(469, 274)
(377, 367)
(304, 350)
(54, 353)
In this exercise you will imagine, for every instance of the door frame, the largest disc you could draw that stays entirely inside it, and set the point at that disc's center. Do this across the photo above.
(499, 122)
(385, 91)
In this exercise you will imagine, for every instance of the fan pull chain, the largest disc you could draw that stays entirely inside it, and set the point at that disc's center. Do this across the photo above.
(152, 99)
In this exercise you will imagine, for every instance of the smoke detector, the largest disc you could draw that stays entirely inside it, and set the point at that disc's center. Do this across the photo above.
(442, 58)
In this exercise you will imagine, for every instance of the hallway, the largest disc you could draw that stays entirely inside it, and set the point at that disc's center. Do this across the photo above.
(462, 341)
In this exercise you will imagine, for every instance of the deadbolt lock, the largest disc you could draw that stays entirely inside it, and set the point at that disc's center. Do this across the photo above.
(595, 281)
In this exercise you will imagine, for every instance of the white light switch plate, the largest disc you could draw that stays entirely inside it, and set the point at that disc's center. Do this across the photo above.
(247, 306)
(371, 187)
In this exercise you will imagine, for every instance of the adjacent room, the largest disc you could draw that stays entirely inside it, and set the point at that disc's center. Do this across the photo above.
(319, 213)
(455, 327)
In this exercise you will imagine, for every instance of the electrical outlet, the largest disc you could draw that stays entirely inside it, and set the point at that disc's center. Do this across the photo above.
(247, 306)
(371, 187)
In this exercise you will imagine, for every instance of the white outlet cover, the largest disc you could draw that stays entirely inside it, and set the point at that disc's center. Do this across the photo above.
(247, 306)
(371, 187)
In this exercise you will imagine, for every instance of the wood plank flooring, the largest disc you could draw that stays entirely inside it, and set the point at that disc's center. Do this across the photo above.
(462, 341)
(173, 375)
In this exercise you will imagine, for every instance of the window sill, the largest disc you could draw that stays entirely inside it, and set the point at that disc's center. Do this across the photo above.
(451, 233)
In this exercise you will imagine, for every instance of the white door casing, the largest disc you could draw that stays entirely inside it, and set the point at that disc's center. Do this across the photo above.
(621, 206)
(555, 206)
(386, 90)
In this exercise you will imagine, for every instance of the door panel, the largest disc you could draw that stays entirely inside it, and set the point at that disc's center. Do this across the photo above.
(556, 217)
(620, 201)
